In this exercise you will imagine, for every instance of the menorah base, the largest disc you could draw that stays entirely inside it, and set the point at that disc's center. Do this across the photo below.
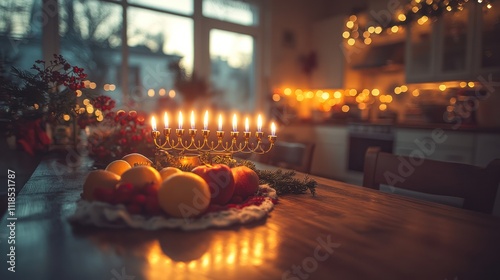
(187, 161)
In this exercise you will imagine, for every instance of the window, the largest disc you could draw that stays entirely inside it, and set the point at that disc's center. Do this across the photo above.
(137, 68)
(20, 34)
(231, 55)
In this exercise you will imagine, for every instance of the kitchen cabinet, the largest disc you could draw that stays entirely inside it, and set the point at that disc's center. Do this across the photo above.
(458, 46)
(487, 57)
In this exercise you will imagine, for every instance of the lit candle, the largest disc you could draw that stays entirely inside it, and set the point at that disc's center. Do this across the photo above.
(220, 133)
(259, 123)
(165, 119)
(153, 123)
(235, 123)
(246, 125)
(192, 119)
(205, 121)
(273, 129)
(180, 120)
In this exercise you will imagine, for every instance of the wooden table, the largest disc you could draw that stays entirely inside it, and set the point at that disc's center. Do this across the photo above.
(345, 232)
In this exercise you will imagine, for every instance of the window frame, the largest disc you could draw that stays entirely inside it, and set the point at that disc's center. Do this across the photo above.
(201, 33)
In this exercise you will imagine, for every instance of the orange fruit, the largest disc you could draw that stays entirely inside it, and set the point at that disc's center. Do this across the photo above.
(184, 195)
(136, 159)
(168, 171)
(118, 166)
(98, 179)
(141, 176)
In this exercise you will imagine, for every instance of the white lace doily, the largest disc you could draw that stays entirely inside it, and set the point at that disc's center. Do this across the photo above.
(102, 214)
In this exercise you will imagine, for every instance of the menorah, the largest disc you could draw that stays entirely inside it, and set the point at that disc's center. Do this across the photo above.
(192, 151)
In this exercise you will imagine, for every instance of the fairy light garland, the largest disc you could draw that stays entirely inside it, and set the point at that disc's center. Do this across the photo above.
(419, 11)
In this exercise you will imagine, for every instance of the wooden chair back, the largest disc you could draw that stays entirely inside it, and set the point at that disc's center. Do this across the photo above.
(476, 185)
(292, 155)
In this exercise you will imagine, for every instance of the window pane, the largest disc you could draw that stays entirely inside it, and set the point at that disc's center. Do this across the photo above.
(91, 38)
(155, 41)
(233, 11)
(178, 6)
(231, 56)
(20, 34)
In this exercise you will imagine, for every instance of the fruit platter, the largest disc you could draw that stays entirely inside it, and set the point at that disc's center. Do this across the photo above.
(131, 192)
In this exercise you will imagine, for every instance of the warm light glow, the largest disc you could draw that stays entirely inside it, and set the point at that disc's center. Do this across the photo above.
(276, 97)
(247, 126)
(273, 129)
(488, 6)
(235, 123)
(382, 107)
(66, 117)
(205, 120)
(300, 97)
(375, 92)
(401, 17)
(153, 123)
(353, 92)
(404, 88)
(181, 121)
(362, 106)
(192, 120)
(463, 84)
(151, 92)
(325, 95)
(371, 29)
(470, 84)
(171, 93)
(414, 9)
(337, 94)
(442, 87)
(346, 34)
(351, 42)
(378, 30)
(165, 119)
(259, 123)
(395, 29)
(349, 24)
(422, 20)
(345, 108)
(367, 41)
(162, 92)
(78, 93)
(415, 93)
(220, 123)
(287, 91)
(397, 90)
(353, 17)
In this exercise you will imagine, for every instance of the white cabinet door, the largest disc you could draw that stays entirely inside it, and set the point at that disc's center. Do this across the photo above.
(330, 153)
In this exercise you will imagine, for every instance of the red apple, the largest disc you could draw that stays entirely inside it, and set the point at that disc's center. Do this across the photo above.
(246, 181)
(220, 180)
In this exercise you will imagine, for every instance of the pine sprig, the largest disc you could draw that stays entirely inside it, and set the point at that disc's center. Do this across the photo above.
(284, 182)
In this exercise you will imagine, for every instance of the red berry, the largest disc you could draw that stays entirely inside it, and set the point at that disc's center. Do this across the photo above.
(150, 189)
(139, 199)
(105, 195)
(124, 193)
(134, 209)
(152, 206)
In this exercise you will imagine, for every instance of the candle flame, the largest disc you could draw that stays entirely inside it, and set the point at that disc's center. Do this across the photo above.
(205, 120)
(192, 119)
(220, 122)
(153, 123)
(247, 126)
(180, 120)
(273, 129)
(259, 123)
(165, 119)
(235, 123)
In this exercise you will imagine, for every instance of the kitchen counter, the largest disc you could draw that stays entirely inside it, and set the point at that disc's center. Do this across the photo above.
(465, 127)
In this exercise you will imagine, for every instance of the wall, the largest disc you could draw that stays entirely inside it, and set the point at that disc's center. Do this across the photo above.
(291, 23)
